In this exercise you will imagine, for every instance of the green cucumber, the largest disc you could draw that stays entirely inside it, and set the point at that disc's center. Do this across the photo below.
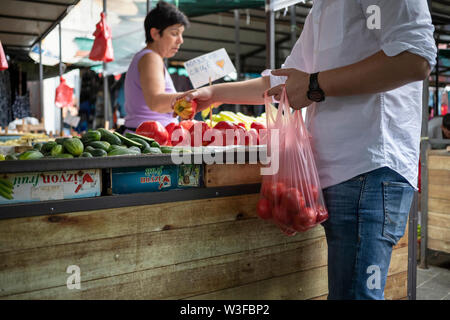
(155, 144)
(128, 142)
(130, 135)
(166, 149)
(86, 154)
(47, 147)
(58, 149)
(144, 144)
(99, 145)
(91, 135)
(155, 150)
(122, 152)
(109, 137)
(98, 153)
(74, 146)
(31, 155)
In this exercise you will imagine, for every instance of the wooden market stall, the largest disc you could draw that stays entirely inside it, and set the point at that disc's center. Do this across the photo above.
(199, 243)
(438, 217)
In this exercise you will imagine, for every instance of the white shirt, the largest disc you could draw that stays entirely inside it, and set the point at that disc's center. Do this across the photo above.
(357, 134)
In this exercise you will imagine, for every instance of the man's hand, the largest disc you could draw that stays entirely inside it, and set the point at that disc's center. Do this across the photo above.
(297, 85)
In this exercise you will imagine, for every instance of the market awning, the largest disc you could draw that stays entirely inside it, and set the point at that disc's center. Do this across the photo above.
(24, 22)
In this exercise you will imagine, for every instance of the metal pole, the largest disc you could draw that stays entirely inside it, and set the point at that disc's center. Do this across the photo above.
(41, 78)
(436, 93)
(237, 57)
(105, 87)
(270, 37)
(424, 146)
(60, 75)
(412, 250)
(293, 15)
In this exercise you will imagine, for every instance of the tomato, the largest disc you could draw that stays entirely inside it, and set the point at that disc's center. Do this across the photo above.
(197, 131)
(273, 192)
(307, 217)
(252, 138)
(242, 125)
(154, 130)
(293, 200)
(187, 124)
(322, 214)
(180, 136)
(213, 137)
(297, 223)
(281, 215)
(224, 125)
(258, 126)
(264, 209)
(310, 193)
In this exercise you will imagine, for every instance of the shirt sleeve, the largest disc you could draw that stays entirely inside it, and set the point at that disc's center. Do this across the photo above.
(405, 26)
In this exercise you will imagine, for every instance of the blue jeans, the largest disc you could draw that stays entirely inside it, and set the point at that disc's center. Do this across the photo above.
(367, 217)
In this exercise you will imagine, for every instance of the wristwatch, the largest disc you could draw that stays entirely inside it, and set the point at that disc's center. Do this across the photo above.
(315, 93)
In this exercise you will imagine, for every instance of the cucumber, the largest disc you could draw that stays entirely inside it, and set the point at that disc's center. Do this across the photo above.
(99, 145)
(155, 150)
(60, 140)
(109, 137)
(155, 144)
(122, 152)
(58, 149)
(63, 156)
(38, 146)
(47, 147)
(11, 157)
(114, 147)
(86, 155)
(31, 155)
(91, 135)
(128, 142)
(98, 153)
(74, 146)
(130, 135)
(89, 149)
(166, 149)
(144, 144)
(137, 149)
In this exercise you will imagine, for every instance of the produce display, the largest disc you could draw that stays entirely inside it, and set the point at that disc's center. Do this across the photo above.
(94, 143)
(26, 140)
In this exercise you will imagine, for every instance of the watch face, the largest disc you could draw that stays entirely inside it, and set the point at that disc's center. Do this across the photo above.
(316, 96)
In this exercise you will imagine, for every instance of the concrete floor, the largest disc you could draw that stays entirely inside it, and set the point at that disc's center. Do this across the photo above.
(434, 283)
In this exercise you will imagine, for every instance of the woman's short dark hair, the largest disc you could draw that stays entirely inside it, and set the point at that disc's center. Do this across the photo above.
(162, 16)
(446, 121)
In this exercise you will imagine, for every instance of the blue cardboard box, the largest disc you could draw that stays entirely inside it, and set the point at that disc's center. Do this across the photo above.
(154, 179)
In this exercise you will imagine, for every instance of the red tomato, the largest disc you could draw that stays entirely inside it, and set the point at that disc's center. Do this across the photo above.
(264, 209)
(281, 215)
(180, 136)
(258, 126)
(169, 129)
(307, 217)
(273, 192)
(310, 193)
(322, 214)
(224, 125)
(213, 137)
(242, 125)
(252, 138)
(297, 223)
(187, 124)
(293, 200)
(154, 130)
(197, 131)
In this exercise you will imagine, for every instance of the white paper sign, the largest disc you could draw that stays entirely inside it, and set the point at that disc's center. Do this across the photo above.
(71, 120)
(214, 65)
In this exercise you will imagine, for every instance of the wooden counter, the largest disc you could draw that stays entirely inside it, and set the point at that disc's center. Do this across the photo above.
(198, 249)
(438, 200)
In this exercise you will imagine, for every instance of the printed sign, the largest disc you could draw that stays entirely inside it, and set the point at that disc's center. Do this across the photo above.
(213, 65)
(53, 185)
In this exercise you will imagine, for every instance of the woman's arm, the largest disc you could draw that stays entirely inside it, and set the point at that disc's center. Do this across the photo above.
(151, 76)
(243, 92)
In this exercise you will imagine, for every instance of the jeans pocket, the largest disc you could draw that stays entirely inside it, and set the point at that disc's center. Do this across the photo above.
(397, 204)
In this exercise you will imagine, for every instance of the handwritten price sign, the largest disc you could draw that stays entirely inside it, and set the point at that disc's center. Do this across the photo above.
(210, 66)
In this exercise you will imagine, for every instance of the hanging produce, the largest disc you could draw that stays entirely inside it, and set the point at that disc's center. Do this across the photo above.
(102, 49)
(64, 94)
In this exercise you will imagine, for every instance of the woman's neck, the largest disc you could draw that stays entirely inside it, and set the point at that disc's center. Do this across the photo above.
(153, 47)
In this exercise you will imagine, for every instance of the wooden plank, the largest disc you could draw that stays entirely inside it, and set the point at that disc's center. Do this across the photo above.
(396, 286)
(297, 286)
(50, 230)
(439, 177)
(438, 191)
(219, 175)
(439, 245)
(37, 268)
(439, 220)
(439, 205)
(438, 233)
(438, 162)
(399, 261)
(197, 277)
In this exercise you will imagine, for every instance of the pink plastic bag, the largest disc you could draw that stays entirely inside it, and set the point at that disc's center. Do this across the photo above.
(102, 49)
(291, 197)
(3, 62)
(63, 95)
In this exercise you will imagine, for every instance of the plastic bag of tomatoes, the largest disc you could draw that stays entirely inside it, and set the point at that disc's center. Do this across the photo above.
(291, 195)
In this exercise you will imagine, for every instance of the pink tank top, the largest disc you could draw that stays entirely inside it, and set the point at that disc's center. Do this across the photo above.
(135, 105)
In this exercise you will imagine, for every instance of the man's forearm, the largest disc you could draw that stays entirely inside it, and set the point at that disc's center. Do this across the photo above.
(243, 92)
(377, 73)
